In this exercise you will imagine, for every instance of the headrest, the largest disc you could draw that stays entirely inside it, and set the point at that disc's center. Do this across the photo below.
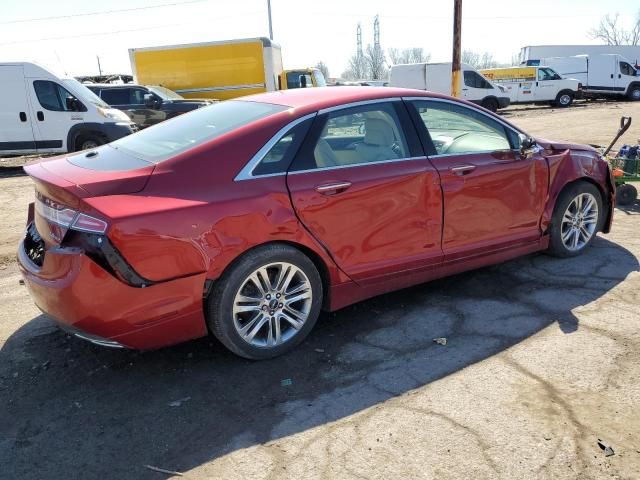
(378, 132)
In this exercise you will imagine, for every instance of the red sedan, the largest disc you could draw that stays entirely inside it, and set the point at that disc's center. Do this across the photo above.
(248, 217)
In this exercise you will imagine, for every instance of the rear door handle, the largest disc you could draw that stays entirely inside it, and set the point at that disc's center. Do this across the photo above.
(332, 188)
(40, 116)
(23, 116)
(463, 169)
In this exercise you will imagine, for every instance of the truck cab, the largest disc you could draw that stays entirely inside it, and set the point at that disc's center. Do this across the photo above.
(301, 78)
(533, 84)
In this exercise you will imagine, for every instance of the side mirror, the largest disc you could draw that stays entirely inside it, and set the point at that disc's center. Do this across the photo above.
(527, 144)
(73, 104)
(150, 101)
(303, 81)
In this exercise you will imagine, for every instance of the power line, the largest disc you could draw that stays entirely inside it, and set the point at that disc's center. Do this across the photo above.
(103, 12)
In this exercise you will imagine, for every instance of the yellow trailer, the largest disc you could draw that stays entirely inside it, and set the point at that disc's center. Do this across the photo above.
(219, 70)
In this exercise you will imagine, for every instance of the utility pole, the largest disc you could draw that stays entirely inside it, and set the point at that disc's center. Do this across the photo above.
(270, 25)
(457, 33)
(99, 68)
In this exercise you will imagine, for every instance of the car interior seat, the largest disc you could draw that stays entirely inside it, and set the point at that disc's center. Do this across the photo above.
(378, 141)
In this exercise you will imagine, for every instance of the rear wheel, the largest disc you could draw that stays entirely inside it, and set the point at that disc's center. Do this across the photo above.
(626, 194)
(267, 303)
(564, 99)
(490, 104)
(576, 219)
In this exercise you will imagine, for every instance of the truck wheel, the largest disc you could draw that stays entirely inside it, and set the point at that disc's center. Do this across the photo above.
(626, 194)
(564, 99)
(634, 92)
(85, 142)
(490, 104)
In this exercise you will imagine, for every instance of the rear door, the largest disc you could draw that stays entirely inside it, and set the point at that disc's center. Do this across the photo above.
(493, 197)
(363, 187)
(603, 70)
(16, 134)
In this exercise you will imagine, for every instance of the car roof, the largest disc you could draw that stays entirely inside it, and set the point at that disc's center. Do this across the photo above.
(113, 85)
(324, 97)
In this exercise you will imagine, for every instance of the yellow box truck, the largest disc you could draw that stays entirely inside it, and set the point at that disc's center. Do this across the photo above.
(219, 70)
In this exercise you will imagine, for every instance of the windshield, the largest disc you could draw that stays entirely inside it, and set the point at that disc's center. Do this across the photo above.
(83, 93)
(161, 142)
(165, 93)
(320, 80)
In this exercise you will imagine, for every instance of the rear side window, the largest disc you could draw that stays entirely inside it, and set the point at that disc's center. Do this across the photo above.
(475, 80)
(52, 96)
(161, 142)
(279, 157)
(116, 96)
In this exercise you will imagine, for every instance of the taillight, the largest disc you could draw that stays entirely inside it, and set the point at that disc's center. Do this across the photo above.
(68, 218)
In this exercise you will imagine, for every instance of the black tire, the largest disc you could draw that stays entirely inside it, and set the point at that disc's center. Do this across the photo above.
(626, 194)
(220, 316)
(566, 197)
(564, 99)
(86, 142)
(490, 104)
(634, 92)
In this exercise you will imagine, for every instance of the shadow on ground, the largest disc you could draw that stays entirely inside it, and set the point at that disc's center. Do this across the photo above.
(72, 410)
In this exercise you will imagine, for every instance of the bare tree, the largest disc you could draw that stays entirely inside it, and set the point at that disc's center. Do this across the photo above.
(479, 60)
(323, 68)
(612, 33)
(357, 68)
(376, 62)
(470, 58)
(407, 55)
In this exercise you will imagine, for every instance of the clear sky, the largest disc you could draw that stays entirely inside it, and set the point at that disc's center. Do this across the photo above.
(66, 35)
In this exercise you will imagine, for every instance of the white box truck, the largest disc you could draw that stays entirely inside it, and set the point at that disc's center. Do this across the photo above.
(436, 77)
(539, 84)
(601, 75)
(536, 52)
(41, 113)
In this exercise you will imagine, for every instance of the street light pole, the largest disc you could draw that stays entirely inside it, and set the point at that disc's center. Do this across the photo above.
(457, 33)
(270, 26)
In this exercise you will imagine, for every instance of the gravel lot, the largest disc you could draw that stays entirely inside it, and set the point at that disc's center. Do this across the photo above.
(542, 362)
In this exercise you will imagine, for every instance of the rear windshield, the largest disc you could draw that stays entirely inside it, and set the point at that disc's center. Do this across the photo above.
(161, 142)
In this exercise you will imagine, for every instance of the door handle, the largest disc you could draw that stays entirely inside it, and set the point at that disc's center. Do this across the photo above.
(619, 75)
(465, 89)
(461, 170)
(332, 188)
(40, 116)
(612, 75)
(23, 116)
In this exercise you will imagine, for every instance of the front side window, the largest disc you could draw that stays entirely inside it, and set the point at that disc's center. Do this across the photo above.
(116, 96)
(455, 129)
(55, 97)
(294, 80)
(358, 135)
(475, 80)
(547, 74)
(137, 96)
(627, 69)
(163, 141)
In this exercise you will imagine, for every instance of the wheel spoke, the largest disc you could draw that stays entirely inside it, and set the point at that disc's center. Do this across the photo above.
(246, 308)
(282, 276)
(567, 218)
(295, 322)
(256, 327)
(586, 234)
(288, 279)
(296, 298)
(588, 205)
(567, 235)
(576, 238)
(245, 299)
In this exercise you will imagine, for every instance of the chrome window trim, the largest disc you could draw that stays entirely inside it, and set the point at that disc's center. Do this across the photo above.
(361, 164)
(480, 152)
(358, 104)
(247, 171)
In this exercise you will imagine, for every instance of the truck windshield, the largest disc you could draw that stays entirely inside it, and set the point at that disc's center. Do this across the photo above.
(167, 139)
(320, 80)
(165, 93)
(83, 93)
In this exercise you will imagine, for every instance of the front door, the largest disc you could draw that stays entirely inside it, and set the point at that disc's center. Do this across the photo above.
(493, 198)
(362, 186)
(16, 134)
(54, 114)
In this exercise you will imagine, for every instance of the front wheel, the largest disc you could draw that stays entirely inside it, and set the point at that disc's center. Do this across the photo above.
(634, 93)
(267, 303)
(490, 104)
(576, 220)
(564, 99)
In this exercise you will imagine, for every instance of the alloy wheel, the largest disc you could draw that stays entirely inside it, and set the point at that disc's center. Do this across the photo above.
(579, 222)
(565, 99)
(272, 305)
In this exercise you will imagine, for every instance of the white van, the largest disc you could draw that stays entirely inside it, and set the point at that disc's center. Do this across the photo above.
(601, 75)
(535, 84)
(436, 77)
(41, 113)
